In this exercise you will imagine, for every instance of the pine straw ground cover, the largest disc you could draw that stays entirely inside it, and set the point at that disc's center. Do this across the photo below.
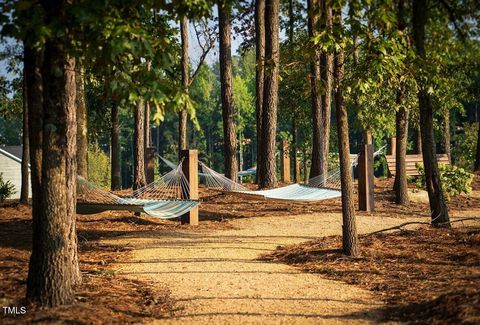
(104, 297)
(425, 275)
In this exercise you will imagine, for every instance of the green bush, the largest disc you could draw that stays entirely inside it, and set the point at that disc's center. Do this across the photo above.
(455, 180)
(98, 166)
(7, 189)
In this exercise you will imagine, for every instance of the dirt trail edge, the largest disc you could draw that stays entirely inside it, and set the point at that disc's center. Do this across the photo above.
(215, 277)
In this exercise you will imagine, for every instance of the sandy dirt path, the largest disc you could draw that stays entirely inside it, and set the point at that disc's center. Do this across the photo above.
(215, 276)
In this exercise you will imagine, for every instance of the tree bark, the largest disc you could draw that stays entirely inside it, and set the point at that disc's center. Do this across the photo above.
(326, 71)
(182, 116)
(270, 95)
(82, 141)
(315, 84)
(349, 228)
(400, 184)
(438, 207)
(139, 179)
(259, 73)
(116, 168)
(33, 78)
(446, 136)
(228, 113)
(476, 167)
(25, 147)
(296, 161)
(53, 269)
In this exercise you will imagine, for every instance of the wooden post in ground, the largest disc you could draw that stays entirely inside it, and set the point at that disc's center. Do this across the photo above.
(150, 165)
(392, 147)
(365, 178)
(285, 161)
(190, 169)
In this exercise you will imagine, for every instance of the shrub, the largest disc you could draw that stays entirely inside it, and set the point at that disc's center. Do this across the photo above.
(455, 180)
(7, 189)
(98, 166)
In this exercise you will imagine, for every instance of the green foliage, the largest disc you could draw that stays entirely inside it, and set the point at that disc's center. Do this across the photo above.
(465, 146)
(7, 189)
(98, 166)
(455, 180)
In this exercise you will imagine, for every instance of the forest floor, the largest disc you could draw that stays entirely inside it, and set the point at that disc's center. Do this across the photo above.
(259, 262)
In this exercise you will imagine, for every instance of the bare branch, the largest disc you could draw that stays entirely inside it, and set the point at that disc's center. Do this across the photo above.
(206, 46)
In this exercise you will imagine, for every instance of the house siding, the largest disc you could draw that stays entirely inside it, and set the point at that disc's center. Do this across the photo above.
(12, 171)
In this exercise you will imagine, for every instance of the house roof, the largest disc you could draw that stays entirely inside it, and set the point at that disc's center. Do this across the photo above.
(13, 152)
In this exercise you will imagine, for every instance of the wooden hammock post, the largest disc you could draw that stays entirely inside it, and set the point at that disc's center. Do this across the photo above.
(392, 147)
(285, 161)
(190, 169)
(150, 165)
(365, 178)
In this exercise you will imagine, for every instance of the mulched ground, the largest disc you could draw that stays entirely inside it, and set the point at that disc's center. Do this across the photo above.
(104, 297)
(425, 276)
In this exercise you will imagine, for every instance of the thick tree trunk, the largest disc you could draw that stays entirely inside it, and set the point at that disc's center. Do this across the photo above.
(182, 116)
(476, 167)
(315, 84)
(270, 95)
(349, 228)
(229, 133)
(259, 73)
(82, 141)
(326, 71)
(401, 185)
(116, 168)
(54, 265)
(25, 148)
(438, 207)
(139, 179)
(446, 136)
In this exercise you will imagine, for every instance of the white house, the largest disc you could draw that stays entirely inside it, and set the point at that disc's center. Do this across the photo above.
(11, 168)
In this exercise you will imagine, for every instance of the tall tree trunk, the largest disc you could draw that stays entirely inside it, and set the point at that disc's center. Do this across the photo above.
(326, 75)
(438, 206)
(33, 78)
(25, 147)
(116, 168)
(476, 167)
(139, 179)
(182, 116)
(349, 228)
(259, 74)
(82, 141)
(446, 136)
(296, 161)
(270, 95)
(148, 134)
(53, 266)
(229, 133)
(400, 184)
(315, 84)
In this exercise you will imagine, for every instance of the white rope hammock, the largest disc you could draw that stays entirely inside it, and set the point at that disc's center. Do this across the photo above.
(316, 189)
(162, 198)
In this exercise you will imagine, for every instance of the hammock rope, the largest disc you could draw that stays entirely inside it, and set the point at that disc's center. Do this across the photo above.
(162, 198)
(317, 188)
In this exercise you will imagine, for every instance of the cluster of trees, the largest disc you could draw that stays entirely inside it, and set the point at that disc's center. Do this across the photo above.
(342, 71)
